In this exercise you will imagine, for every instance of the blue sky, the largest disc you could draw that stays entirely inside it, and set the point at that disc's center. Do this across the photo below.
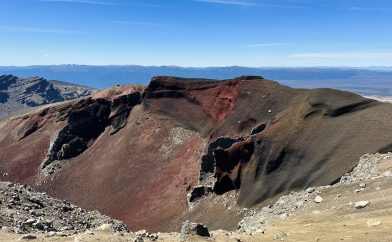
(197, 32)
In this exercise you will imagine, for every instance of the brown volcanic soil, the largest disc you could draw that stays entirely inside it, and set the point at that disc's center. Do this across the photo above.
(142, 173)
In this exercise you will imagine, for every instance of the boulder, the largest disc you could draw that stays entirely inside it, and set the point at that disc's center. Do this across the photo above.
(189, 228)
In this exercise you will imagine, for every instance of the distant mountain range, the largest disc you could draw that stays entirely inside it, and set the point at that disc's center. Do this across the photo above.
(366, 81)
(20, 94)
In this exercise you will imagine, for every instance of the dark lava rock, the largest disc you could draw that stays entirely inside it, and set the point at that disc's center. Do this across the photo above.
(85, 123)
(197, 193)
(189, 228)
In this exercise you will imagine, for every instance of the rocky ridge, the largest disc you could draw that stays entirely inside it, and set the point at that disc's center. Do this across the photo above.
(17, 94)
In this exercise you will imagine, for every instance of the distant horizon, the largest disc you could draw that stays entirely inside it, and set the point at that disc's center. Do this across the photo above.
(197, 33)
(179, 66)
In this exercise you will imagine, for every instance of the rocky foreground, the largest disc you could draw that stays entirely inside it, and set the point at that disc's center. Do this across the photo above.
(356, 208)
(24, 210)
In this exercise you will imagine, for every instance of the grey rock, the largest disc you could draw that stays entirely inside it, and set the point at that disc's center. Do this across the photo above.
(373, 222)
(189, 228)
(283, 216)
(30, 221)
(361, 204)
(48, 215)
(28, 237)
(138, 239)
(280, 236)
(310, 189)
(318, 199)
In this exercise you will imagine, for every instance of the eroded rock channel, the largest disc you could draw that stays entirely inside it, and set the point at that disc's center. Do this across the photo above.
(83, 127)
(87, 122)
(87, 119)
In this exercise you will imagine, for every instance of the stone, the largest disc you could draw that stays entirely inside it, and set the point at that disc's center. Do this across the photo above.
(259, 231)
(197, 193)
(280, 236)
(299, 204)
(189, 228)
(30, 221)
(28, 237)
(315, 212)
(361, 204)
(142, 233)
(53, 234)
(105, 227)
(310, 189)
(362, 185)
(138, 239)
(318, 199)
(153, 237)
(283, 216)
(373, 222)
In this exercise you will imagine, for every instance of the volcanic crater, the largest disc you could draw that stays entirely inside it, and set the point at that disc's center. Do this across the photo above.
(154, 156)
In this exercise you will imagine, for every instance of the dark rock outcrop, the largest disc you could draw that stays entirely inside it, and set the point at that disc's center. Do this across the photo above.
(189, 228)
(229, 163)
(208, 162)
(87, 120)
(120, 109)
(197, 193)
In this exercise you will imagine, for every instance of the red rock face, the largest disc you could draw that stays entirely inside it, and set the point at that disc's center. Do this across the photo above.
(156, 143)
(217, 101)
